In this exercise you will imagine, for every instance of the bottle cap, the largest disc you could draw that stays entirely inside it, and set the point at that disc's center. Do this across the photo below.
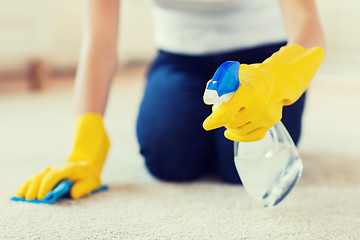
(223, 84)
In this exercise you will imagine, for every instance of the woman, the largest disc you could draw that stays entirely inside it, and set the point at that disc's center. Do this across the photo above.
(193, 40)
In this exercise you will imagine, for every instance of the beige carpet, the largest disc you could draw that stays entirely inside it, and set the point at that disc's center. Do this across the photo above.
(35, 132)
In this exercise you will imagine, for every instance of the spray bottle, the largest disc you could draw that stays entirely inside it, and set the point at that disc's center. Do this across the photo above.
(268, 168)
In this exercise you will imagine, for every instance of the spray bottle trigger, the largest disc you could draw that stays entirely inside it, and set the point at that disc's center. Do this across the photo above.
(223, 84)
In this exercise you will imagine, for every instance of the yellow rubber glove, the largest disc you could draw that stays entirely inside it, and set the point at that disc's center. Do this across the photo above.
(264, 89)
(90, 147)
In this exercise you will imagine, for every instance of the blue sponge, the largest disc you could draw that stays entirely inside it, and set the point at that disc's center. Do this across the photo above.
(61, 190)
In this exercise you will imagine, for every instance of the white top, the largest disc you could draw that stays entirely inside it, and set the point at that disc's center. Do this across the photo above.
(209, 26)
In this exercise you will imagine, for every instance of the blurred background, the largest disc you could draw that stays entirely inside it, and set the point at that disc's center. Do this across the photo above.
(47, 34)
(39, 48)
(50, 31)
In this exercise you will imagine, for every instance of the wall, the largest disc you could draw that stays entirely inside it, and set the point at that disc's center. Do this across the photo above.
(134, 34)
(340, 20)
(52, 29)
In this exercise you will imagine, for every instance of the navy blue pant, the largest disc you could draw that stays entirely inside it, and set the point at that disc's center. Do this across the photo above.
(169, 125)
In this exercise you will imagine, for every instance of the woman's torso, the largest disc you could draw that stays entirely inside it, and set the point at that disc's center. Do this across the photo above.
(199, 27)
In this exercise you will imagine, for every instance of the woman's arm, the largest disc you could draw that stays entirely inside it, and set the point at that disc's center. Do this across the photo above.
(98, 58)
(279, 81)
(302, 23)
(96, 68)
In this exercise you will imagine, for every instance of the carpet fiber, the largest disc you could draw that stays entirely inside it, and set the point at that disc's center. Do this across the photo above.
(35, 131)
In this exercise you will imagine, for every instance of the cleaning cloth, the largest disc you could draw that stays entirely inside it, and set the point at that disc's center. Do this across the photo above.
(61, 190)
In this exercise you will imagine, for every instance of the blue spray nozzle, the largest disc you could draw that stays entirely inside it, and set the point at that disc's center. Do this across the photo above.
(226, 78)
(223, 84)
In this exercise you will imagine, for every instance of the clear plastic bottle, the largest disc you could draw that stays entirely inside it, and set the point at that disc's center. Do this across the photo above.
(268, 168)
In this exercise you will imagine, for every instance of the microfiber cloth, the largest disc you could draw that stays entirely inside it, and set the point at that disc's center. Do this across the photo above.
(61, 190)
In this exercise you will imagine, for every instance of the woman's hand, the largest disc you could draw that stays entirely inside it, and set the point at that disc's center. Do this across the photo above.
(264, 89)
(85, 178)
(84, 166)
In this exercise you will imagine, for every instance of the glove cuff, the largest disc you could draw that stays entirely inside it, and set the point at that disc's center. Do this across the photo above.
(291, 69)
(90, 141)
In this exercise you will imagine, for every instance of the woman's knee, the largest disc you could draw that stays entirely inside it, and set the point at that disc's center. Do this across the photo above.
(171, 169)
(292, 118)
(171, 157)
